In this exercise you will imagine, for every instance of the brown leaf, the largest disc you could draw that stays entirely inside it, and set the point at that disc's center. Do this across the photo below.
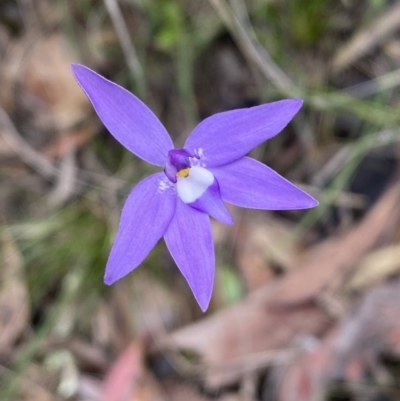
(14, 305)
(88, 388)
(182, 392)
(66, 143)
(128, 380)
(375, 267)
(123, 381)
(367, 39)
(88, 356)
(371, 330)
(304, 379)
(41, 67)
(247, 336)
(352, 350)
(35, 384)
(330, 262)
(258, 245)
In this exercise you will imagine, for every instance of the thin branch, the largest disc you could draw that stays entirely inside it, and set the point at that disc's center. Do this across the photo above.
(379, 84)
(128, 48)
(367, 39)
(252, 48)
(238, 23)
(66, 180)
(28, 154)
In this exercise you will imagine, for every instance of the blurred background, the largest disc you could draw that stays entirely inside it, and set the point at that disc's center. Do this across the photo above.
(306, 303)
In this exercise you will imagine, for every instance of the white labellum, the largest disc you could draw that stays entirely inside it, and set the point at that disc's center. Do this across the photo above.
(195, 184)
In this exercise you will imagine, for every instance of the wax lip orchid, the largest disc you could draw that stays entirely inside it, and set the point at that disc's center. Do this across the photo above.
(196, 180)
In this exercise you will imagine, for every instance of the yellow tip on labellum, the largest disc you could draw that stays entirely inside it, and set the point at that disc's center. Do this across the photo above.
(183, 173)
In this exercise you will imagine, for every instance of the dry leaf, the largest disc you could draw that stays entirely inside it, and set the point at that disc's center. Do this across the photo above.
(304, 379)
(123, 381)
(246, 336)
(326, 268)
(182, 392)
(88, 356)
(41, 67)
(128, 380)
(36, 384)
(376, 266)
(368, 38)
(74, 140)
(14, 303)
(351, 352)
(258, 245)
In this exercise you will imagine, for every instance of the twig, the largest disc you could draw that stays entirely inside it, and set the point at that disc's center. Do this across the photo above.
(376, 85)
(344, 154)
(252, 48)
(66, 180)
(341, 198)
(128, 48)
(367, 39)
(238, 23)
(44, 166)
(28, 154)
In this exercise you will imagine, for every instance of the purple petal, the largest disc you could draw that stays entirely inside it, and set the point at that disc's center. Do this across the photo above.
(145, 217)
(211, 203)
(249, 183)
(225, 137)
(189, 239)
(129, 120)
(200, 190)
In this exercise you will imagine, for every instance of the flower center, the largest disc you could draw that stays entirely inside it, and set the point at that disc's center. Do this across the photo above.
(183, 173)
(178, 164)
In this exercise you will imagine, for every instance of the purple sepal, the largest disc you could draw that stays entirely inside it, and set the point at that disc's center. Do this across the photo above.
(211, 203)
(189, 240)
(228, 136)
(251, 184)
(128, 119)
(145, 217)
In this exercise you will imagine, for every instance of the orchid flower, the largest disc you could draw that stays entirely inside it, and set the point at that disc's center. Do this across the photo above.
(211, 168)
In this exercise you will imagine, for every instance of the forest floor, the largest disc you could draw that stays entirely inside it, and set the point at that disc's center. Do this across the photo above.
(306, 303)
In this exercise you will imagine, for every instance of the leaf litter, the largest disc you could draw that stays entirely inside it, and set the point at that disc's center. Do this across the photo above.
(311, 318)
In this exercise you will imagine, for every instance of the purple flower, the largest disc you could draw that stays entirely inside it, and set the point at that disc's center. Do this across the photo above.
(211, 168)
